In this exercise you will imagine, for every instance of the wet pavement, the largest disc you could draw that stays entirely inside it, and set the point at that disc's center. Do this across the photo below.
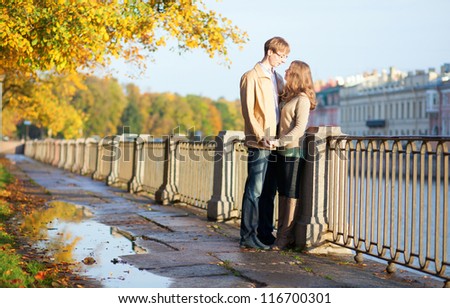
(66, 232)
(127, 240)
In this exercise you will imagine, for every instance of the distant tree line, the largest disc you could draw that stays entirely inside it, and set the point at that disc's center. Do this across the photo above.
(102, 107)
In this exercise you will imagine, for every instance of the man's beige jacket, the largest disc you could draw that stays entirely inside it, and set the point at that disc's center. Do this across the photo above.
(257, 103)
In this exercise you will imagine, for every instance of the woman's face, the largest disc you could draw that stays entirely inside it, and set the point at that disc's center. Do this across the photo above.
(286, 73)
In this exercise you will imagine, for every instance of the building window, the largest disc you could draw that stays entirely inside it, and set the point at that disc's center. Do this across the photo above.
(436, 130)
(446, 97)
(424, 111)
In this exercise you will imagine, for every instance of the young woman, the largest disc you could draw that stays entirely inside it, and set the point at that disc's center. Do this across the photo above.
(297, 99)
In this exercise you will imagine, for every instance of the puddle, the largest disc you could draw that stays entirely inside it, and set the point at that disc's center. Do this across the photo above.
(67, 233)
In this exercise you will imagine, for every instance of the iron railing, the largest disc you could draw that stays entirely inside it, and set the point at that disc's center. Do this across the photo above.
(388, 198)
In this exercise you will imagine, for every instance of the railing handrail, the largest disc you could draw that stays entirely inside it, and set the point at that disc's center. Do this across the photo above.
(380, 137)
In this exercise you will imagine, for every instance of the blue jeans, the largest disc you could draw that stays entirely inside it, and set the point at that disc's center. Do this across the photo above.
(259, 194)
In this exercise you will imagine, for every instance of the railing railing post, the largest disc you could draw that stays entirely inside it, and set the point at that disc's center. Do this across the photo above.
(70, 154)
(96, 175)
(221, 205)
(49, 150)
(80, 146)
(312, 224)
(57, 156)
(62, 154)
(90, 157)
(168, 191)
(135, 185)
(112, 177)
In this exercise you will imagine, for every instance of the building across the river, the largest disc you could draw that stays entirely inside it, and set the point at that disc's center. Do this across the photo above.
(387, 103)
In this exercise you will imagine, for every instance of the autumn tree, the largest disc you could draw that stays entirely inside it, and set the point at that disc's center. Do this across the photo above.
(131, 116)
(68, 35)
(231, 114)
(46, 102)
(169, 113)
(103, 101)
(207, 119)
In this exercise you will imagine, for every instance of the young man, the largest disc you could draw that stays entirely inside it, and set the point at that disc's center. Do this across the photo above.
(260, 90)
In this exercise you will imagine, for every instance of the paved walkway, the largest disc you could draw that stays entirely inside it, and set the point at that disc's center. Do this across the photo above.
(183, 245)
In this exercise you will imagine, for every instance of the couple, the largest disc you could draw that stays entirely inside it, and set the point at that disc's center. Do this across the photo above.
(275, 116)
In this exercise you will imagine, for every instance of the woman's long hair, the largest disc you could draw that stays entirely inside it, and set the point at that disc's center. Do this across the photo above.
(299, 80)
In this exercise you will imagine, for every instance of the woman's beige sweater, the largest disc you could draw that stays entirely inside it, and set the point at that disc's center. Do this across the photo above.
(293, 120)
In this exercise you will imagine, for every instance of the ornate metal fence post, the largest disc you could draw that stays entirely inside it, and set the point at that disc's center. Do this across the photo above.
(312, 223)
(221, 206)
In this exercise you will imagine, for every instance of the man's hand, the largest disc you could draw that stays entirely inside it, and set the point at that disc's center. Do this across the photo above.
(266, 142)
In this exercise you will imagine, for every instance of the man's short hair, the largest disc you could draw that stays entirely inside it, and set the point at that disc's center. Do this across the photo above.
(276, 44)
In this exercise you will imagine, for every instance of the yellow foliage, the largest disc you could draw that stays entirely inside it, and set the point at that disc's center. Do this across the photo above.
(9, 122)
(72, 34)
(64, 36)
(4, 193)
(46, 103)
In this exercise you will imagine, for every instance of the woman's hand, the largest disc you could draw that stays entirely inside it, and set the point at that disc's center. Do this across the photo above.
(274, 143)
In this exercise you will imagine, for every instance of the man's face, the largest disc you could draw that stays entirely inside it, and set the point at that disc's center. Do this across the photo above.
(276, 57)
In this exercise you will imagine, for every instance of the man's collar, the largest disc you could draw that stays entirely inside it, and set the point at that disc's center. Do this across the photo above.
(267, 66)
(269, 70)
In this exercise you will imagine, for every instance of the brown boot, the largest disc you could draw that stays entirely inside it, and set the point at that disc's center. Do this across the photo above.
(287, 209)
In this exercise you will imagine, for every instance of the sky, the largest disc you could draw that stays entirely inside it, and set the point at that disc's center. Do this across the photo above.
(337, 38)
